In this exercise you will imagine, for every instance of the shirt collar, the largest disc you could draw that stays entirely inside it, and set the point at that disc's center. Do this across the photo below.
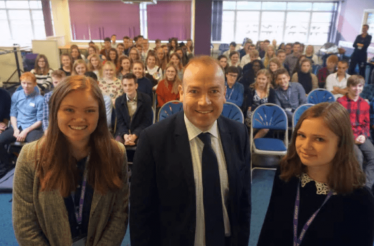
(31, 94)
(131, 100)
(336, 75)
(193, 131)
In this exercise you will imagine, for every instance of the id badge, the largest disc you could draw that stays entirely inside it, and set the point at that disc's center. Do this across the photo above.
(289, 109)
(32, 104)
(80, 242)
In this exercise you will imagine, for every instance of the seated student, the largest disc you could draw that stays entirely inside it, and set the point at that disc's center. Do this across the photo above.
(183, 56)
(66, 64)
(139, 48)
(124, 67)
(253, 56)
(133, 111)
(222, 60)
(127, 45)
(95, 65)
(359, 111)
(134, 55)
(120, 49)
(145, 45)
(270, 53)
(91, 51)
(107, 46)
(113, 57)
(281, 55)
(331, 63)
(292, 59)
(245, 48)
(234, 91)
(162, 59)
(76, 54)
(235, 62)
(288, 95)
(110, 85)
(337, 82)
(173, 44)
(167, 89)
(288, 48)
(42, 73)
(26, 115)
(144, 84)
(309, 53)
(307, 79)
(298, 64)
(57, 77)
(157, 44)
(246, 58)
(274, 65)
(154, 72)
(177, 61)
(248, 78)
(79, 67)
(113, 40)
(190, 47)
(107, 101)
(232, 48)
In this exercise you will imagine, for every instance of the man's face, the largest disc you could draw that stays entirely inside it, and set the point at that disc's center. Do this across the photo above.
(288, 49)
(365, 29)
(283, 81)
(140, 41)
(252, 47)
(262, 45)
(203, 94)
(56, 81)
(223, 62)
(129, 86)
(342, 68)
(330, 65)
(120, 49)
(281, 57)
(296, 48)
(107, 45)
(158, 45)
(114, 39)
(145, 44)
(28, 86)
(355, 90)
(126, 43)
(266, 44)
(232, 48)
(231, 78)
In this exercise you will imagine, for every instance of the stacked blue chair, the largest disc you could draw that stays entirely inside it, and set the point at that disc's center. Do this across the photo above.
(223, 47)
(269, 116)
(320, 95)
(298, 112)
(169, 108)
(233, 112)
(316, 68)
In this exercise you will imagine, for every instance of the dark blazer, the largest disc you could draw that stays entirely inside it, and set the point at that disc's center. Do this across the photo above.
(142, 117)
(163, 198)
(271, 97)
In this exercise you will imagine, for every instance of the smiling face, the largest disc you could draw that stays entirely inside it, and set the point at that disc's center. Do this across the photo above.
(305, 67)
(112, 55)
(41, 62)
(283, 81)
(175, 60)
(316, 144)
(151, 61)
(256, 67)
(65, 60)
(91, 50)
(133, 54)
(203, 94)
(261, 81)
(125, 64)
(94, 62)
(108, 72)
(281, 57)
(273, 66)
(74, 53)
(77, 116)
(355, 90)
(170, 73)
(120, 49)
(129, 87)
(138, 70)
(234, 59)
(80, 69)
(231, 79)
(223, 62)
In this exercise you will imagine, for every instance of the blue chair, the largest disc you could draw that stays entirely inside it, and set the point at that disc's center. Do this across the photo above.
(298, 112)
(169, 108)
(316, 68)
(233, 112)
(268, 116)
(320, 95)
(223, 47)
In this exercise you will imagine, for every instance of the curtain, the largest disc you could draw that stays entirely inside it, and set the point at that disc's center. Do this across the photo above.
(216, 20)
(100, 19)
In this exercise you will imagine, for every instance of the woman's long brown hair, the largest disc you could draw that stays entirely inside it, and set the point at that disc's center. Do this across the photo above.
(38, 70)
(346, 174)
(56, 167)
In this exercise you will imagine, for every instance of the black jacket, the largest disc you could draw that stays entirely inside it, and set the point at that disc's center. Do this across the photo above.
(163, 198)
(142, 117)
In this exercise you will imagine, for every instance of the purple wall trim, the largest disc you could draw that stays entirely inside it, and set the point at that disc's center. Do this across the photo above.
(47, 18)
(203, 18)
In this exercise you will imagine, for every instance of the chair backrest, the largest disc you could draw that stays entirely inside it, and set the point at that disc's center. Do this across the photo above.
(233, 112)
(320, 95)
(298, 112)
(269, 116)
(316, 68)
(36, 88)
(223, 47)
(169, 108)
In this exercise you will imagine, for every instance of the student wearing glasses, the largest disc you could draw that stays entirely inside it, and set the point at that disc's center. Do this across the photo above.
(234, 90)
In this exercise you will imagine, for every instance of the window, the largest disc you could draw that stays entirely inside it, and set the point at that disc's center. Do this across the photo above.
(305, 22)
(21, 22)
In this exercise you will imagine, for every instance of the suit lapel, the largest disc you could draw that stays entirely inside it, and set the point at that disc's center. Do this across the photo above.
(184, 151)
(138, 106)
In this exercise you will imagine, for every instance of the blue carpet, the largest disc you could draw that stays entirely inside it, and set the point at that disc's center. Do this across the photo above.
(261, 189)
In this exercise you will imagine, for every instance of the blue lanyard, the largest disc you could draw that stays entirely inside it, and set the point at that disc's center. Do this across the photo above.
(297, 241)
(229, 97)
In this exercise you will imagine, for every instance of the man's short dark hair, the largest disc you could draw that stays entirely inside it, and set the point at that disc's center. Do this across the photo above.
(126, 37)
(296, 43)
(136, 38)
(267, 41)
(107, 40)
(280, 51)
(113, 36)
(91, 42)
(140, 36)
(233, 53)
(281, 71)
(158, 41)
(121, 44)
(344, 62)
(91, 75)
(221, 56)
(130, 76)
(233, 44)
(366, 25)
(232, 69)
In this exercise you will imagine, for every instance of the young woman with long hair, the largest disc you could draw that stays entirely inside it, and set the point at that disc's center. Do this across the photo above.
(66, 64)
(162, 58)
(173, 45)
(79, 67)
(319, 195)
(144, 84)
(124, 67)
(42, 73)
(71, 186)
(76, 53)
(298, 64)
(153, 72)
(274, 65)
(270, 53)
(305, 77)
(95, 65)
(113, 57)
(167, 89)
(109, 84)
(134, 55)
(91, 51)
(177, 61)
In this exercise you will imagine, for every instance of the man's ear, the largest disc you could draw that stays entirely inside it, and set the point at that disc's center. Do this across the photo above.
(181, 92)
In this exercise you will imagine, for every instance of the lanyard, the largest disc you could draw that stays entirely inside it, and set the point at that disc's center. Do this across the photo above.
(297, 241)
(229, 97)
(79, 213)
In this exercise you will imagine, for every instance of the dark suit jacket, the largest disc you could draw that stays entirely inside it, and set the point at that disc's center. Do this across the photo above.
(163, 198)
(141, 119)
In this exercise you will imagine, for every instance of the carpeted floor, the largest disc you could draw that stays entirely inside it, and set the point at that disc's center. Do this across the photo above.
(261, 189)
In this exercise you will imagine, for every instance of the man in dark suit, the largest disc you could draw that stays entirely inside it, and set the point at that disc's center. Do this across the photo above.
(133, 111)
(191, 181)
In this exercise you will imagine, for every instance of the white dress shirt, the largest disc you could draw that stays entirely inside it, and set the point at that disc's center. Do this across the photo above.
(196, 146)
(333, 80)
(245, 60)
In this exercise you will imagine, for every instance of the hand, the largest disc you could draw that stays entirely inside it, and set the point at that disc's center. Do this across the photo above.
(133, 137)
(126, 137)
(16, 133)
(129, 143)
(22, 136)
(2, 127)
(360, 139)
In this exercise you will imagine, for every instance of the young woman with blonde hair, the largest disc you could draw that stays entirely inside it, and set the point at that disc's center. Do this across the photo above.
(79, 67)
(95, 65)
(109, 84)
(66, 64)
(270, 53)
